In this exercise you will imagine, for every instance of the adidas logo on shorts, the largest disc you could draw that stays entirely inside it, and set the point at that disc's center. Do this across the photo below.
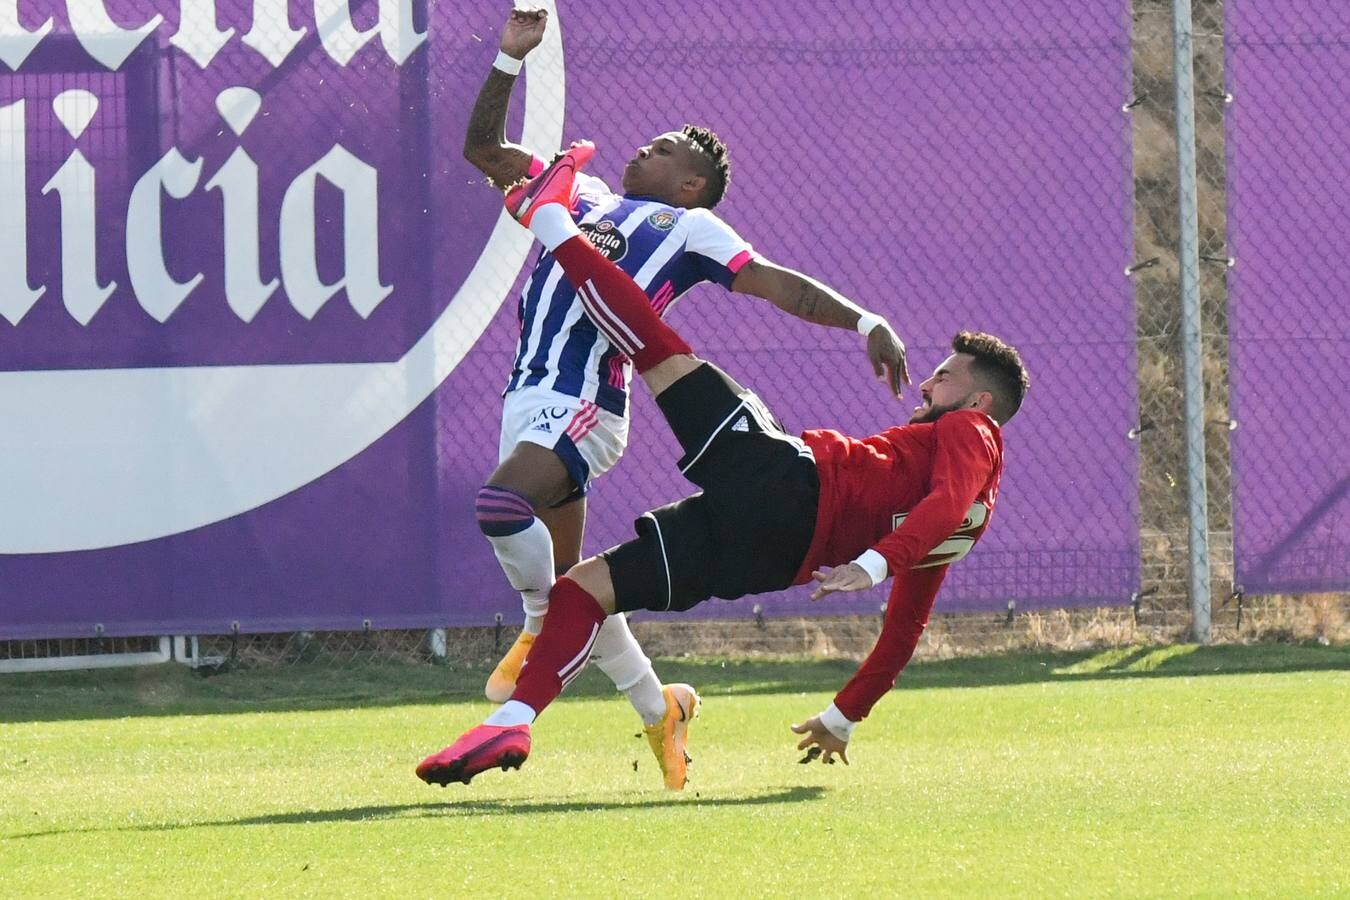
(741, 424)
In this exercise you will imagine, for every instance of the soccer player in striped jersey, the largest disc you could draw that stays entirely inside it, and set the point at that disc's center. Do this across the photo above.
(774, 509)
(565, 413)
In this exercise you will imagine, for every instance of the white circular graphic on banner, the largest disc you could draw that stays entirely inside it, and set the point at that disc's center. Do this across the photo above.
(100, 458)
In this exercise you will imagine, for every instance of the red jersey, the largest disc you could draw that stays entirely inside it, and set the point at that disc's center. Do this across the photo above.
(921, 496)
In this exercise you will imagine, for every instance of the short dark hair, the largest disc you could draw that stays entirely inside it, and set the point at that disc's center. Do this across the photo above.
(714, 163)
(998, 367)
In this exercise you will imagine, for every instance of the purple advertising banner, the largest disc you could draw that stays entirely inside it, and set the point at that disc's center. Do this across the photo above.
(259, 311)
(1289, 293)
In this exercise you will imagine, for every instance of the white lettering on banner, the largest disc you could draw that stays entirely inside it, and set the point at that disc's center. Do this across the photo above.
(237, 182)
(198, 35)
(159, 294)
(201, 37)
(16, 297)
(271, 34)
(342, 40)
(101, 37)
(96, 458)
(76, 183)
(155, 289)
(16, 42)
(360, 241)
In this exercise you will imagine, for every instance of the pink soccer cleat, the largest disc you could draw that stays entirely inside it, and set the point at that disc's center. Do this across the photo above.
(477, 750)
(553, 185)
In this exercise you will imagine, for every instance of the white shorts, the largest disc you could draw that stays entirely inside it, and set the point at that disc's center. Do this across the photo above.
(589, 440)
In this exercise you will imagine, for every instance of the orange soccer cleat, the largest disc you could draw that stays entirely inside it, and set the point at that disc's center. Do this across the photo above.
(669, 737)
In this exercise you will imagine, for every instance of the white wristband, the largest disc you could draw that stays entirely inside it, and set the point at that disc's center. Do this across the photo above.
(867, 322)
(874, 564)
(507, 63)
(836, 723)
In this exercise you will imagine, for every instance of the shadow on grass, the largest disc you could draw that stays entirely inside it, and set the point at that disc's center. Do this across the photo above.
(173, 690)
(460, 809)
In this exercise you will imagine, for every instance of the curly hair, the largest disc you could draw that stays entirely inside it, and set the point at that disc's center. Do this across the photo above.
(714, 162)
(999, 367)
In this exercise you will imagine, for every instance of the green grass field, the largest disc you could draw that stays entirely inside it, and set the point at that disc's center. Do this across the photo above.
(1153, 771)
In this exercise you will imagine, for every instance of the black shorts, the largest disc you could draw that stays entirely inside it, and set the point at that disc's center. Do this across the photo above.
(748, 531)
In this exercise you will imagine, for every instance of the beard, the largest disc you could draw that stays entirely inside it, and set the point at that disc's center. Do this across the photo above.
(932, 412)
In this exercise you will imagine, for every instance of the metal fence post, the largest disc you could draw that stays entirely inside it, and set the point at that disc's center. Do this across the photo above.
(1188, 251)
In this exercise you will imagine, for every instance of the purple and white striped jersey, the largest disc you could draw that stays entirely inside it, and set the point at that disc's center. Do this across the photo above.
(666, 250)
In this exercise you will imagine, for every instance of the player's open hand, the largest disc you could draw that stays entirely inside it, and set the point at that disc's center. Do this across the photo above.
(887, 353)
(820, 740)
(851, 577)
(523, 31)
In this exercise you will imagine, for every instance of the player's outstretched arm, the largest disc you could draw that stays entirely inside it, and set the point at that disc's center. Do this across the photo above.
(814, 302)
(485, 143)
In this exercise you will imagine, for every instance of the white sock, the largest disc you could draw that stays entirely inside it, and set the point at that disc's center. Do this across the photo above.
(527, 559)
(648, 698)
(552, 224)
(512, 712)
(619, 656)
(533, 623)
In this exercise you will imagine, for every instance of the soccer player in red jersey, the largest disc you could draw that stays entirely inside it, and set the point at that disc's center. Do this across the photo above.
(774, 510)
(565, 407)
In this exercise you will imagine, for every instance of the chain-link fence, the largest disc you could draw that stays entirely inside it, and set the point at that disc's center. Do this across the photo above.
(1164, 513)
(1290, 322)
(970, 166)
(1164, 604)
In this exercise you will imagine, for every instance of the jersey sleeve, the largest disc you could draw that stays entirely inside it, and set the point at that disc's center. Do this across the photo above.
(911, 600)
(964, 460)
(719, 250)
(591, 185)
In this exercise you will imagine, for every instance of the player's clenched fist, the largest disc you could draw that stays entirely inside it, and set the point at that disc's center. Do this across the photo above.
(523, 31)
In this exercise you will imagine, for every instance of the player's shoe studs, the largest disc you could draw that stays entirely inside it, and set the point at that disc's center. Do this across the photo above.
(670, 737)
(501, 684)
(477, 750)
(553, 185)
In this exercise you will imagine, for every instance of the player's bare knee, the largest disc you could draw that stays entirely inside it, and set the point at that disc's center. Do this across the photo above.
(592, 576)
(535, 473)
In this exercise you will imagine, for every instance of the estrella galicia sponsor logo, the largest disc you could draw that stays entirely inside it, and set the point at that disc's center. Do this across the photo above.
(607, 238)
(664, 220)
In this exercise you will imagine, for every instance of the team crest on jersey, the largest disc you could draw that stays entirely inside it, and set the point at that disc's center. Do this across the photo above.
(663, 220)
(607, 238)
(956, 546)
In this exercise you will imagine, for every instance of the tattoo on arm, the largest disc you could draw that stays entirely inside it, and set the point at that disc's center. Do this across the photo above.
(485, 139)
(816, 303)
(808, 301)
(797, 294)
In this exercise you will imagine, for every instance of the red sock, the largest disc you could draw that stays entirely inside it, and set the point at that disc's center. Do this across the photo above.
(617, 306)
(559, 653)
